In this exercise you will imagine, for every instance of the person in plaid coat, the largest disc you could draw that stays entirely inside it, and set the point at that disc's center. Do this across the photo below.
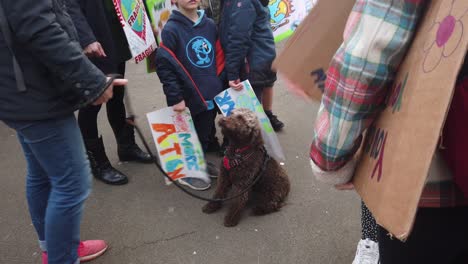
(376, 38)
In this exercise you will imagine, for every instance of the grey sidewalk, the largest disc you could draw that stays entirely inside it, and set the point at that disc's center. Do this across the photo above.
(147, 222)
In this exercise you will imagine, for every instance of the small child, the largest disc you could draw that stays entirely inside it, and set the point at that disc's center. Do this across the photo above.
(186, 66)
(247, 40)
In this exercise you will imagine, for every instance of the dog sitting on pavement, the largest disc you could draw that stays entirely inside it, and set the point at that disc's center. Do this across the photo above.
(242, 163)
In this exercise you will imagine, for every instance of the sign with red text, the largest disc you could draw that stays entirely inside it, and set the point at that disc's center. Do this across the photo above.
(399, 146)
(137, 27)
(230, 99)
(179, 150)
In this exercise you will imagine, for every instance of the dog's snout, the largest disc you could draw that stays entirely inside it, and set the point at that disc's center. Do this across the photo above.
(222, 121)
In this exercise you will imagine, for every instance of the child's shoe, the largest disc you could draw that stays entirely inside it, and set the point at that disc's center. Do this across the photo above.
(367, 252)
(195, 183)
(275, 122)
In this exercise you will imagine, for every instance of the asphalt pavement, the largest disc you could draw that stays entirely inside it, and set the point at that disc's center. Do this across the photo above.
(147, 222)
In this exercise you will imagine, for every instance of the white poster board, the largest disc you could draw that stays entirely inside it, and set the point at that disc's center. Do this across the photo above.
(137, 27)
(230, 99)
(177, 144)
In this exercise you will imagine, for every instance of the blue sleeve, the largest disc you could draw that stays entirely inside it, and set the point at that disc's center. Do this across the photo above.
(167, 72)
(243, 17)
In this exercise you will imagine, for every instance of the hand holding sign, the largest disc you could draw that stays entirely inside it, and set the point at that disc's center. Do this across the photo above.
(246, 98)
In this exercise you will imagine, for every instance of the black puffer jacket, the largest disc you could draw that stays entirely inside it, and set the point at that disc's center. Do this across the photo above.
(59, 78)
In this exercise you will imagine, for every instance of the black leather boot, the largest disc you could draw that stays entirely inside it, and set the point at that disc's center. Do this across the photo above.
(127, 149)
(100, 165)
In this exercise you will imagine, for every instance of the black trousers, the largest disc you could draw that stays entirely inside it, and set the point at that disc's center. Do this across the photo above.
(116, 113)
(440, 236)
(204, 123)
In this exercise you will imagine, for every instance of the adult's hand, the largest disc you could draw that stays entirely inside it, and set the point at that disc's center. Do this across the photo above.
(95, 50)
(236, 85)
(109, 92)
(180, 107)
(345, 187)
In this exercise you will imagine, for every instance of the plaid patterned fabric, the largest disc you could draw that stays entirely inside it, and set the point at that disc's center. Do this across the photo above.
(443, 194)
(377, 35)
(375, 40)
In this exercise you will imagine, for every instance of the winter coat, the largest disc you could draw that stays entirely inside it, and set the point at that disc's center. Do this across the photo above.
(96, 20)
(186, 65)
(246, 36)
(58, 76)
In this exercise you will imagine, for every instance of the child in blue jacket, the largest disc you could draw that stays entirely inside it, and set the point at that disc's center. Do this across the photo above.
(187, 68)
(247, 40)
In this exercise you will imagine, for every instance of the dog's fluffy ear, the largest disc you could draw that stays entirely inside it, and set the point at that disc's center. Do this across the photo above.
(256, 136)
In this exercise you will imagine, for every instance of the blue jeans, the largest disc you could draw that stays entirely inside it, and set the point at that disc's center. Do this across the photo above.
(57, 184)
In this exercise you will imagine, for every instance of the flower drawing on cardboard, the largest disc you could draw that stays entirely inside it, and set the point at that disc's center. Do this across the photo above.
(445, 34)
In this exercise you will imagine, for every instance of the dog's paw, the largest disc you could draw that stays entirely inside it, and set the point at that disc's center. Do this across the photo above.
(230, 221)
(211, 207)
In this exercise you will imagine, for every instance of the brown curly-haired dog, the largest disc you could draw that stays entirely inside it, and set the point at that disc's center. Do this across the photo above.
(241, 164)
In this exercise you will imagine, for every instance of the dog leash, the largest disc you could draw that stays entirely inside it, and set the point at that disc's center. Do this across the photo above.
(131, 120)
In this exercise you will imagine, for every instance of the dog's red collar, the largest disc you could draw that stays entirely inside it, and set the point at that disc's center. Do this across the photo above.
(234, 157)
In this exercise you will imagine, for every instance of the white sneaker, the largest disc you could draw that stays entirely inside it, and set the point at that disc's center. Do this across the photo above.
(367, 252)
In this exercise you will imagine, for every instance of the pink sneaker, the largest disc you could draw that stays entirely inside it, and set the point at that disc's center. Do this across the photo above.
(87, 250)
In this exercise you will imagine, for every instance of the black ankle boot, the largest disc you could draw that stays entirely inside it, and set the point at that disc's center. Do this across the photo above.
(127, 149)
(100, 165)
(275, 122)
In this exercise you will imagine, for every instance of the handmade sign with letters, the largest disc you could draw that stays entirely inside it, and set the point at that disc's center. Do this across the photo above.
(286, 15)
(137, 27)
(159, 11)
(179, 149)
(399, 147)
(246, 98)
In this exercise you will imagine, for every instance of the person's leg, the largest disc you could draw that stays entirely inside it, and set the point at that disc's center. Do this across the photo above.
(124, 133)
(367, 249)
(368, 224)
(87, 120)
(101, 167)
(204, 123)
(37, 192)
(266, 99)
(58, 148)
(438, 236)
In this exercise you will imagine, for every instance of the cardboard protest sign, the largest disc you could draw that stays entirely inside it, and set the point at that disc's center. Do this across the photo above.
(305, 59)
(399, 147)
(286, 15)
(159, 11)
(137, 27)
(231, 99)
(179, 149)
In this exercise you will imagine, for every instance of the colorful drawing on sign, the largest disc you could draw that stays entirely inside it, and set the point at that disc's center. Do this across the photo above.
(445, 34)
(179, 149)
(160, 11)
(280, 11)
(286, 15)
(375, 148)
(396, 95)
(134, 13)
(230, 99)
(135, 22)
